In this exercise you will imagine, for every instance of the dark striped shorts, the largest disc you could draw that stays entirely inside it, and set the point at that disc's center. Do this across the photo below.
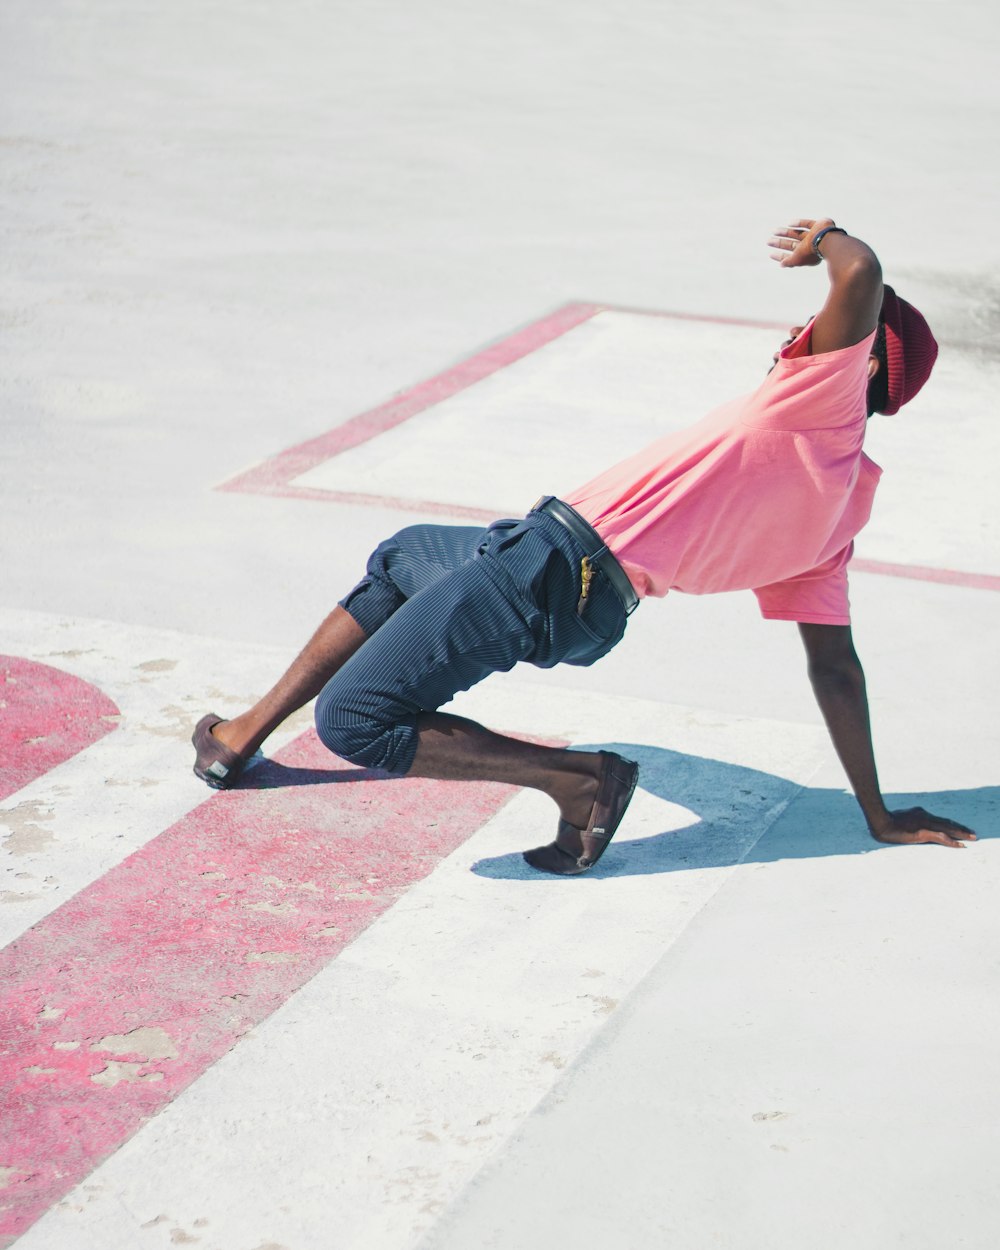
(445, 606)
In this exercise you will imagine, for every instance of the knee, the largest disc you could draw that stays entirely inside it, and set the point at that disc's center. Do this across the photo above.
(361, 736)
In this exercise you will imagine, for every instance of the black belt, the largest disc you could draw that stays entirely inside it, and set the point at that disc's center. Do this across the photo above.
(594, 548)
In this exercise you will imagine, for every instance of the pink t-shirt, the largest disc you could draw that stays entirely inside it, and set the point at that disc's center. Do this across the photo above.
(763, 494)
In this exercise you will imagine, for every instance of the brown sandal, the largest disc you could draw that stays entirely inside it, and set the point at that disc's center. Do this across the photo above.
(214, 763)
(575, 850)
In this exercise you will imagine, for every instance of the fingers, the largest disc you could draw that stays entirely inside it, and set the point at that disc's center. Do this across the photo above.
(782, 245)
(786, 239)
(918, 837)
(949, 826)
(941, 824)
(942, 838)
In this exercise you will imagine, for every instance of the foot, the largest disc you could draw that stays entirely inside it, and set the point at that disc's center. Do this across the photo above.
(214, 762)
(576, 849)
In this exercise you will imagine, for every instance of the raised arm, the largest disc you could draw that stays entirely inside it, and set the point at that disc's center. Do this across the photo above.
(838, 682)
(852, 306)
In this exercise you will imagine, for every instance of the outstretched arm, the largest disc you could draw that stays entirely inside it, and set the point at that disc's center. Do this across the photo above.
(838, 682)
(855, 299)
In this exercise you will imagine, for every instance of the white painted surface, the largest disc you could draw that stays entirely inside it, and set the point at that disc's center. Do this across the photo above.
(230, 228)
(807, 1065)
(398, 1070)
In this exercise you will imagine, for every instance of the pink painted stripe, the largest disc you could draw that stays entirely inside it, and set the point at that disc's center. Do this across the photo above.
(714, 319)
(46, 717)
(193, 940)
(275, 476)
(924, 573)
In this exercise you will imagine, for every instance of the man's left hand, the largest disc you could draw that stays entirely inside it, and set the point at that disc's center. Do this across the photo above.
(792, 245)
(914, 825)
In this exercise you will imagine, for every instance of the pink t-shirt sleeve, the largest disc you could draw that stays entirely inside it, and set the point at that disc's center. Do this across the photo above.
(818, 597)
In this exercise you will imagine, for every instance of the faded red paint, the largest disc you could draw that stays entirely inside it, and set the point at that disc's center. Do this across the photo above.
(46, 717)
(201, 934)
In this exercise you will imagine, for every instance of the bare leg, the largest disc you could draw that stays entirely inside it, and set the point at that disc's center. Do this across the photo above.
(330, 647)
(456, 749)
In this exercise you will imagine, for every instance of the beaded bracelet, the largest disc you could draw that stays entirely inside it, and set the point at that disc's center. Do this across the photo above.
(825, 231)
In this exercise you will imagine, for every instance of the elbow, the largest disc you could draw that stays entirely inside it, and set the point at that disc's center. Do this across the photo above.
(864, 275)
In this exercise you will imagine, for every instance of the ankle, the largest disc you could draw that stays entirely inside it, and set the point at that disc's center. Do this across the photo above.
(575, 796)
(235, 736)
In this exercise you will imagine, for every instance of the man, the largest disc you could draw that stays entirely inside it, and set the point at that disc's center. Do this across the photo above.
(765, 494)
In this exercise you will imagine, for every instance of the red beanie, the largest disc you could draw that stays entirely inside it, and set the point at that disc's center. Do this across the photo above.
(910, 350)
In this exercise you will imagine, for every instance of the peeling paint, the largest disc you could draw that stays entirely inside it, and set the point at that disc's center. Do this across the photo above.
(310, 886)
(157, 666)
(179, 723)
(271, 957)
(116, 1072)
(150, 1043)
(27, 836)
(603, 1006)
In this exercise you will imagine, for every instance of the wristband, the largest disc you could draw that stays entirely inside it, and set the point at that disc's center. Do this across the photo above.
(825, 231)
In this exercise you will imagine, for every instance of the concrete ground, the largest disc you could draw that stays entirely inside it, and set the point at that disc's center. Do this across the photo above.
(292, 1017)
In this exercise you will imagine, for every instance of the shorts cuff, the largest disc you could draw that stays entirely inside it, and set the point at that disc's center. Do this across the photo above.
(371, 603)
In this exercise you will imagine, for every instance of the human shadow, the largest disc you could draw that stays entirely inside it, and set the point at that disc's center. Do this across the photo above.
(268, 774)
(738, 815)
